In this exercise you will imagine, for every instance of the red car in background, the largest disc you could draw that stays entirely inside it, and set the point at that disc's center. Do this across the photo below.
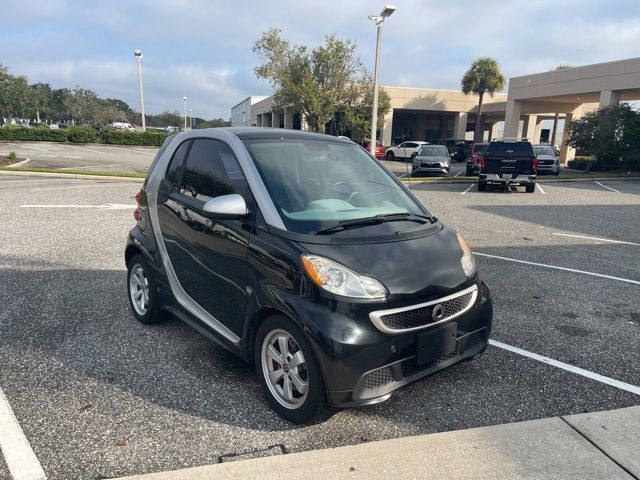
(472, 162)
(379, 149)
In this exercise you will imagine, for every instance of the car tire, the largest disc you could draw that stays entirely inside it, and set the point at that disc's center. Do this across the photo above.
(530, 187)
(414, 155)
(283, 394)
(482, 185)
(142, 291)
(389, 156)
(557, 173)
(468, 172)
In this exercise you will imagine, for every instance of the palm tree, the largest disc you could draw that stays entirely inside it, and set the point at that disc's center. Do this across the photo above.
(484, 76)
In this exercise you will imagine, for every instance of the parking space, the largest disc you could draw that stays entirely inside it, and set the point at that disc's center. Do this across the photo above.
(99, 395)
(82, 156)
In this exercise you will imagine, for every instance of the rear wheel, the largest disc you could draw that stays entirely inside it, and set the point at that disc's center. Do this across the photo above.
(469, 172)
(482, 185)
(142, 289)
(288, 371)
(389, 156)
(530, 187)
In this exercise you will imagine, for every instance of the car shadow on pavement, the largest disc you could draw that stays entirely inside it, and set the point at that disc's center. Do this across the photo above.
(80, 320)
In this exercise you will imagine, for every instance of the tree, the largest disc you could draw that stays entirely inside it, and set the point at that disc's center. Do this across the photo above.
(317, 83)
(484, 76)
(357, 117)
(609, 133)
(563, 67)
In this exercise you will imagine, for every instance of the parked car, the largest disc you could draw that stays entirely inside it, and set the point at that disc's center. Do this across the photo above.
(548, 161)
(379, 152)
(404, 151)
(508, 162)
(431, 159)
(306, 257)
(459, 149)
(477, 150)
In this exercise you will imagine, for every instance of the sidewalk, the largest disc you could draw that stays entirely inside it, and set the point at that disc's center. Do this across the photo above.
(600, 445)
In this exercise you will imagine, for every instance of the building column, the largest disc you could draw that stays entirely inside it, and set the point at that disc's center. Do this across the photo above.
(493, 131)
(529, 127)
(609, 98)
(460, 125)
(512, 118)
(303, 123)
(554, 130)
(568, 153)
(537, 133)
(259, 120)
(386, 128)
(288, 118)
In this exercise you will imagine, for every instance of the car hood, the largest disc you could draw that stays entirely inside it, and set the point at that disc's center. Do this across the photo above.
(432, 159)
(413, 270)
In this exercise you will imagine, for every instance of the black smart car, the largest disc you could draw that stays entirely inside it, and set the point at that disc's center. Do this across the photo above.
(302, 254)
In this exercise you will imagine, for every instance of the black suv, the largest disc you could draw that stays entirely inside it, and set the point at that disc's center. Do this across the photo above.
(508, 162)
(303, 255)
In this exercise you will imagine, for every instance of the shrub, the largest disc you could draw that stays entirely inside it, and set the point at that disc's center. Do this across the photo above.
(580, 163)
(23, 134)
(118, 137)
(81, 134)
(12, 156)
(632, 162)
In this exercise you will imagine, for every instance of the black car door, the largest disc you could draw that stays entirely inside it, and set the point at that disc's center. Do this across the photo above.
(208, 254)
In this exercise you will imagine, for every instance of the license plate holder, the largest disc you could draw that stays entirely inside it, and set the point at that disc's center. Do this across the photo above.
(436, 343)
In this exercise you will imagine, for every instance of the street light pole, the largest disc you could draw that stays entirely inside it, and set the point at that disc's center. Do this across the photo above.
(190, 119)
(378, 19)
(184, 99)
(138, 54)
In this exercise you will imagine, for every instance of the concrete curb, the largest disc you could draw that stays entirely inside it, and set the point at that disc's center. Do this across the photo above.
(549, 448)
(13, 165)
(76, 176)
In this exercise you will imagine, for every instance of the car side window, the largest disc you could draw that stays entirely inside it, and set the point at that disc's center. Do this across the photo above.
(175, 165)
(411, 145)
(402, 145)
(212, 170)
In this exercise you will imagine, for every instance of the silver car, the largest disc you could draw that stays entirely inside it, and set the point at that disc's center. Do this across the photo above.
(432, 159)
(548, 162)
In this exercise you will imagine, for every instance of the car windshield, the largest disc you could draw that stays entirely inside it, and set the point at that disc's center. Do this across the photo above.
(433, 151)
(317, 184)
(544, 150)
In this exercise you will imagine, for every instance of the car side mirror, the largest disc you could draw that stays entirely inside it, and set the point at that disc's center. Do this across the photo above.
(226, 206)
(164, 190)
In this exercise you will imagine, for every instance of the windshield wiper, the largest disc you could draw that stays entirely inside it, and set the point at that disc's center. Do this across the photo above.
(376, 220)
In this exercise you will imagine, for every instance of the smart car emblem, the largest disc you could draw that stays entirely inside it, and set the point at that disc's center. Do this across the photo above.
(438, 313)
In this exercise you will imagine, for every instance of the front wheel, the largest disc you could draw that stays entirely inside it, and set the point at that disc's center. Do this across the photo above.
(288, 371)
(389, 156)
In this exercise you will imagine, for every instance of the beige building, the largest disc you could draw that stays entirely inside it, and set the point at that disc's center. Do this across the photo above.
(430, 114)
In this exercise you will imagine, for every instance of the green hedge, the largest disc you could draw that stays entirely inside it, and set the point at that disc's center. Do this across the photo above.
(132, 138)
(81, 134)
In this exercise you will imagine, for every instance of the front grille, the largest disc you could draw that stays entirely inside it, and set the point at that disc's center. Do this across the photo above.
(430, 165)
(547, 162)
(379, 382)
(423, 316)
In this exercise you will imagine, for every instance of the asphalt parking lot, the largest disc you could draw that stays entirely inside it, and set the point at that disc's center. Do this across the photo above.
(99, 395)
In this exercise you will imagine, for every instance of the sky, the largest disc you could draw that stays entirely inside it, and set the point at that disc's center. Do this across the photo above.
(201, 49)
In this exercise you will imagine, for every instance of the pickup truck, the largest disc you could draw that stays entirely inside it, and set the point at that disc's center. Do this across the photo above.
(508, 162)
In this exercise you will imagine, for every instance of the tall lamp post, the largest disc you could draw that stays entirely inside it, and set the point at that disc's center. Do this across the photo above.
(138, 54)
(184, 99)
(190, 119)
(387, 11)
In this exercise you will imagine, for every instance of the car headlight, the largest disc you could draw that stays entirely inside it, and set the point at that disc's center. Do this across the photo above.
(338, 279)
(467, 261)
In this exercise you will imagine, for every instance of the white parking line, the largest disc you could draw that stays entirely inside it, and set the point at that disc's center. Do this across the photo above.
(569, 368)
(597, 239)
(540, 188)
(555, 267)
(128, 150)
(29, 146)
(472, 185)
(608, 188)
(18, 454)
(457, 174)
(82, 148)
(106, 206)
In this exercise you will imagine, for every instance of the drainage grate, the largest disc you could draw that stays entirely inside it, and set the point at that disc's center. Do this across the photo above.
(257, 452)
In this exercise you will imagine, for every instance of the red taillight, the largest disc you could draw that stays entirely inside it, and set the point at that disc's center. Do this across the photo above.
(138, 197)
(535, 163)
(481, 161)
(136, 214)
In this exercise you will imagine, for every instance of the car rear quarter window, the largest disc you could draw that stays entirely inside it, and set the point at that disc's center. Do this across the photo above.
(175, 165)
(511, 148)
(212, 170)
